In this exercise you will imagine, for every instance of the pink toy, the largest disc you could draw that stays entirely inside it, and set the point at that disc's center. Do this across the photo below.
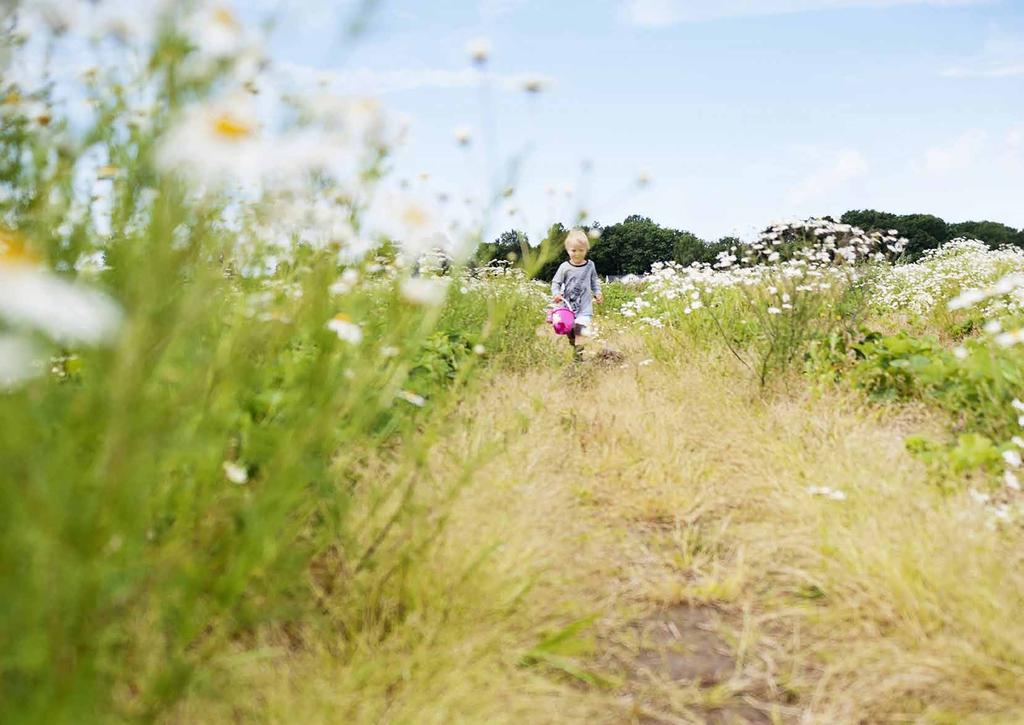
(562, 319)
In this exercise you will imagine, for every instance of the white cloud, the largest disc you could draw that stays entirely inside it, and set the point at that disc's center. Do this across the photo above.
(956, 156)
(844, 168)
(495, 9)
(365, 81)
(1002, 56)
(1008, 70)
(656, 13)
(1015, 139)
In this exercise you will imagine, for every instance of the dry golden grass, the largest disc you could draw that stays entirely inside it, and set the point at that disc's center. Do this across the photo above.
(618, 492)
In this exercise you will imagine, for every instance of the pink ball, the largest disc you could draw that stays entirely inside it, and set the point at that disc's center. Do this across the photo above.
(562, 320)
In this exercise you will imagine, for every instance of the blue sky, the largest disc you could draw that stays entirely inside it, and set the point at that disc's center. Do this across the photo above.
(741, 111)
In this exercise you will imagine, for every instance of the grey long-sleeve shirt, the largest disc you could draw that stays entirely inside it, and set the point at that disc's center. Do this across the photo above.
(577, 285)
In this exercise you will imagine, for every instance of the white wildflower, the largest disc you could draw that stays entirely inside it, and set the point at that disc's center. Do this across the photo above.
(345, 329)
(216, 31)
(216, 143)
(1006, 339)
(1012, 458)
(1011, 480)
(1000, 512)
(418, 400)
(535, 84)
(235, 472)
(32, 297)
(425, 291)
(966, 299)
(345, 282)
(827, 491)
(19, 361)
(479, 50)
(91, 263)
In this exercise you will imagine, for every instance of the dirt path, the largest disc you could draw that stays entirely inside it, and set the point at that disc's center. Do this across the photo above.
(678, 514)
(630, 540)
(673, 660)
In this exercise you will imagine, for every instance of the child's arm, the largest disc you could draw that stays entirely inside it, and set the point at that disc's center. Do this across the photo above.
(595, 284)
(557, 283)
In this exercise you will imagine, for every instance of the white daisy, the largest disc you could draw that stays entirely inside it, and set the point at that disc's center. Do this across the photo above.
(345, 329)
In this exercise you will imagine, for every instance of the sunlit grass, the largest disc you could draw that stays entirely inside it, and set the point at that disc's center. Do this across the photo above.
(647, 487)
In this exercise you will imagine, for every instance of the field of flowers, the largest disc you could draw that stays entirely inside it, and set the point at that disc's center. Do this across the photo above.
(269, 453)
(824, 298)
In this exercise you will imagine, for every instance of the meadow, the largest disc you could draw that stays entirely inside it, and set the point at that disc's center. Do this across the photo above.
(269, 455)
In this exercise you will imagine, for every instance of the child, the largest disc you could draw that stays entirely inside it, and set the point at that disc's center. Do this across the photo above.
(574, 283)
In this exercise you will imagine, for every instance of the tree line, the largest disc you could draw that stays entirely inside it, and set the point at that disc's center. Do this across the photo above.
(634, 244)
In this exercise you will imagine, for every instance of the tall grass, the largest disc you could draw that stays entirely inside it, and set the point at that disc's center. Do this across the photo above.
(630, 489)
(176, 491)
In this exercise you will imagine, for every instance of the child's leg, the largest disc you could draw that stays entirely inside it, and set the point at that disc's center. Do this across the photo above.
(577, 348)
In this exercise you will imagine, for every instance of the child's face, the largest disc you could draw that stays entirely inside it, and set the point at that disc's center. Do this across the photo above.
(577, 252)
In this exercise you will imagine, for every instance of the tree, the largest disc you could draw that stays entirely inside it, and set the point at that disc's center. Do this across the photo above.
(632, 246)
(993, 234)
(870, 220)
(508, 246)
(923, 231)
(690, 248)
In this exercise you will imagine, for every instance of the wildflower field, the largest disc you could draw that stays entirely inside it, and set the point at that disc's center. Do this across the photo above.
(275, 446)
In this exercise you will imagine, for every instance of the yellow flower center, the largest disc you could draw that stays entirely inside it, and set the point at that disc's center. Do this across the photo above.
(414, 217)
(342, 317)
(231, 127)
(13, 251)
(225, 17)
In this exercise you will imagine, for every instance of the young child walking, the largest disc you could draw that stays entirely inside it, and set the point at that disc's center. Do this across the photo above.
(575, 284)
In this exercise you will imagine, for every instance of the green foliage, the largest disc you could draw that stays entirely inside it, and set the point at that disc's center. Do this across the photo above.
(926, 231)
(637, 242)
(978, 390)
(633, 245)
(994, 234)
(629, 247)
(165, 499)
(507, 247)
(616, 294)
(897, 367)
(971, 453)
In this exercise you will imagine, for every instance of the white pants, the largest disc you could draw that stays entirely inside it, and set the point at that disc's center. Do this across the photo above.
(584, 321)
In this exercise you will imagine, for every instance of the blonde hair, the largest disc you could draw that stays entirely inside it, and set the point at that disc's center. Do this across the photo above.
(577, 235)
